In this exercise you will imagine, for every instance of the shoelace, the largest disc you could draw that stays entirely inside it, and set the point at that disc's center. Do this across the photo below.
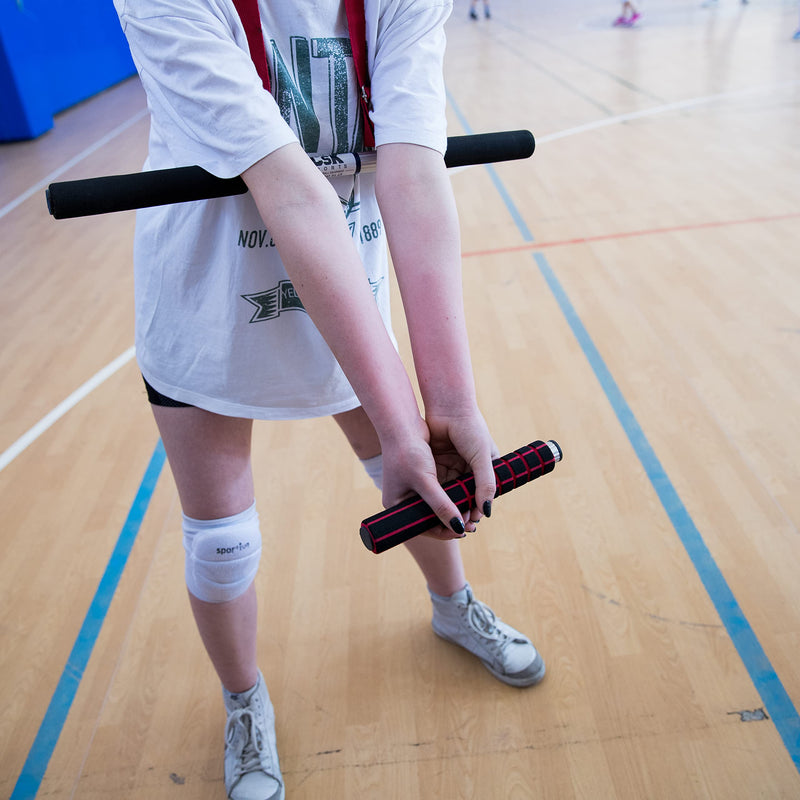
(483, 620)
(250, 757)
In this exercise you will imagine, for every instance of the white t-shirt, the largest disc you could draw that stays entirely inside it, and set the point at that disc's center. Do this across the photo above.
(218, 324)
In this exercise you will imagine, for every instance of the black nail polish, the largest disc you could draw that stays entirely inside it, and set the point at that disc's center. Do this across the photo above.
(457, 525)
(487, 508)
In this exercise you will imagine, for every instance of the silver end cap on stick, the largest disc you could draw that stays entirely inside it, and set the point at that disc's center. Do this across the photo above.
(555, 449)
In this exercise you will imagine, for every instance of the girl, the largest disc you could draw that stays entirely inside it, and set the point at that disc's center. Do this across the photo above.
(274, 304)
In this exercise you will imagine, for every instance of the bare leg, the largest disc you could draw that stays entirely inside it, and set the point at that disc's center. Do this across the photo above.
(209, 456)
(228, 631)
(440, 561)
(360, 432)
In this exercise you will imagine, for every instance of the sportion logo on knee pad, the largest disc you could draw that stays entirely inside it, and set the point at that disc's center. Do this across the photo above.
(222, 555)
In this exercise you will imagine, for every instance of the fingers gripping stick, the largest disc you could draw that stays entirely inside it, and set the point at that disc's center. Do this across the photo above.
(414, 516)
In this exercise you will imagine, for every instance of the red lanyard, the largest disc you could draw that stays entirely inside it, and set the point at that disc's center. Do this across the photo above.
(251, 19)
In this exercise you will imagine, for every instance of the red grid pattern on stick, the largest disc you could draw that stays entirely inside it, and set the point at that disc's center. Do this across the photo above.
(414, 516)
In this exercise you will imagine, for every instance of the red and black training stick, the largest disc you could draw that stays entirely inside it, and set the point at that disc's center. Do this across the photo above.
(414, 516)
(83, 198)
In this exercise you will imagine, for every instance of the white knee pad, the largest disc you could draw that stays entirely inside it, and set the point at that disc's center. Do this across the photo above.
(374, 468)
(222, 555)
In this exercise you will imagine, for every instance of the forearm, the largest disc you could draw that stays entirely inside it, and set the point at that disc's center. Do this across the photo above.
(293, 199)
(422, 229)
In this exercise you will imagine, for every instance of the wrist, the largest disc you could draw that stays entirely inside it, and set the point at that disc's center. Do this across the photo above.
(443, 397)
(395, 431)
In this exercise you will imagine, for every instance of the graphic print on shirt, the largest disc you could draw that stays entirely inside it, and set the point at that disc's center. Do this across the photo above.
(259, 237)
(295, 96)
(283, 297)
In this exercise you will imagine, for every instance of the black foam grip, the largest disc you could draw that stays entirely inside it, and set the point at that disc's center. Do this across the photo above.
(83, 198)
(487, 148)
(157, 187)
(414, 516)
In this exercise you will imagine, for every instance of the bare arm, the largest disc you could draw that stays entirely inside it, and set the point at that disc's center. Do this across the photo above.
(421, 223)
(293, 199)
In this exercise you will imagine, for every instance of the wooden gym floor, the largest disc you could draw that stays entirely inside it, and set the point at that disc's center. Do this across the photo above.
(633, 292)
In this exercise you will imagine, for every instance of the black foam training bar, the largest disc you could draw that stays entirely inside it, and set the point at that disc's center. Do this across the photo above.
(83, 198)
(414, 516)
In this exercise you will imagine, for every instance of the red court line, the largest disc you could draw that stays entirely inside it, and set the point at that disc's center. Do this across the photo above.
(628, 235)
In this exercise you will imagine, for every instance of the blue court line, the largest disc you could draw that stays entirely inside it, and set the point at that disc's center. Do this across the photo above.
(776, 699)
(44, 744)
(498, 184)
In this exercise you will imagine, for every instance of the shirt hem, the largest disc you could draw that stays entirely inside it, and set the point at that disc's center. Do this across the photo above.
(228, 408)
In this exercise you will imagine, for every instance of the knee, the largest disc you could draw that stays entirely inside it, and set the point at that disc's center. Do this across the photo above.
(222, 555)
(360, 432)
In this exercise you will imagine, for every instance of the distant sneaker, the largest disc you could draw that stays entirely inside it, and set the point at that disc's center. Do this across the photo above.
(627, 22)
(505, 652)
(487, 13)
(473, 14)
(252, 771)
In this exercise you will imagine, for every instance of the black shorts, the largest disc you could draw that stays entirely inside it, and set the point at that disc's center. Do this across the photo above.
(157, 399)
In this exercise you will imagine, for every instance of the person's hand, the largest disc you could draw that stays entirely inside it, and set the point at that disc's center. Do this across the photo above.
(463, 444)
(409, 467)
(440, 450)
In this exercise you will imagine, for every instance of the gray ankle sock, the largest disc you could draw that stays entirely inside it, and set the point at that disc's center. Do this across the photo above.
(461, 596)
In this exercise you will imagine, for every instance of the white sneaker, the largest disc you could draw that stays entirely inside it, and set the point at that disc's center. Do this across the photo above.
(252, 771)
(505, 652)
